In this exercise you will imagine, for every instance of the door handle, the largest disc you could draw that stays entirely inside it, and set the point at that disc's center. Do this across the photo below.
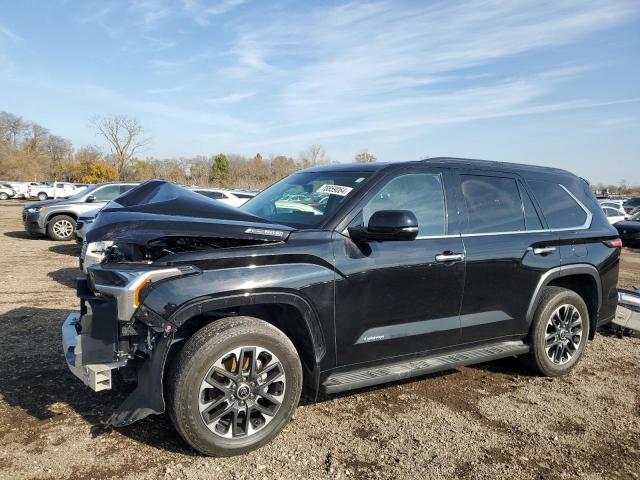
(449, 257)
(543, 250)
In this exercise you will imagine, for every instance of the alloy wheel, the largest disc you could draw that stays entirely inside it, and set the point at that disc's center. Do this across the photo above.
(63, 228)
(563, 334)
(242, 392)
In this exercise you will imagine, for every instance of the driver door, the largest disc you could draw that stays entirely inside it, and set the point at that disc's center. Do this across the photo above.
(395, 298)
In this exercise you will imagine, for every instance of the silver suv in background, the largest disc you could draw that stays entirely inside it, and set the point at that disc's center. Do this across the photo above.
(57, 218)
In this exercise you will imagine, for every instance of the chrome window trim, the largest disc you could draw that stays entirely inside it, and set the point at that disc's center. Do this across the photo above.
(585, 226)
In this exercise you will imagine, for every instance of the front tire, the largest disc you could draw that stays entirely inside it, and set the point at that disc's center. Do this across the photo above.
(4, 196)
(43, 196)
(61, 227)
(559, 332)
(234, 386)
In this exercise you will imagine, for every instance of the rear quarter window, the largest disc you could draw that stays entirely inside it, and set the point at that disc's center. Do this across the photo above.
(559, 208)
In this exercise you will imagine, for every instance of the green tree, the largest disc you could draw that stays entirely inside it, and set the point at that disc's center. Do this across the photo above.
(220, 170)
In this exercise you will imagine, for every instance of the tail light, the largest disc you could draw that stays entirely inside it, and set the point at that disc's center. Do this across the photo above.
(617, 243)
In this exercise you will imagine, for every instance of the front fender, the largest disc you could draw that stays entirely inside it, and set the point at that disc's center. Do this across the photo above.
(307, 287)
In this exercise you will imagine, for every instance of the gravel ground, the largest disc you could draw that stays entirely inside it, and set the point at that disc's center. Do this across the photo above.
(487, 421)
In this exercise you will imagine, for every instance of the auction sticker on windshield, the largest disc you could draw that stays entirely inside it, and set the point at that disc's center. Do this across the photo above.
(334, 190)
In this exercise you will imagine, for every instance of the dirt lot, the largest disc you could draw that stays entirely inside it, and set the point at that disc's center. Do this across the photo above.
(488, 421)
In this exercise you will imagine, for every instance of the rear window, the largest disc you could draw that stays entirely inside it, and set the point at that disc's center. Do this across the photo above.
(493, 204)
(559, 208)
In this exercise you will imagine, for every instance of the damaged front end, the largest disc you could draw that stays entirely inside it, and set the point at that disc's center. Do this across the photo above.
(111, 332)
(129, 252)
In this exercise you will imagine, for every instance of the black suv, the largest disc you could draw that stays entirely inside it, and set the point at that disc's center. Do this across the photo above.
(335, 278)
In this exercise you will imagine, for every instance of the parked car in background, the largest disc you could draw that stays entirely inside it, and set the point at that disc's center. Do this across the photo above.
(6, 191)
(631, 205)
(45, 191)
(611, 203)
(629, 230)
(235, 198)
(223, 315)
(21, 188)
(84, 222)
(57, 218)
(614, 214)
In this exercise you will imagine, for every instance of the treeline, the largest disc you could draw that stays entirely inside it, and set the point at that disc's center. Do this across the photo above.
(29, 152)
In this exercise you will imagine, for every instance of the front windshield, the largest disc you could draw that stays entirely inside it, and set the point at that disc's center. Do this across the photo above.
(635, 217)
(306, 199)
(82, 193)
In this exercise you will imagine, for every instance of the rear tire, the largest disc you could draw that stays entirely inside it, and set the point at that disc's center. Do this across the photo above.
(43, 196)
(61, 228)
(559, 332)
(261, 372)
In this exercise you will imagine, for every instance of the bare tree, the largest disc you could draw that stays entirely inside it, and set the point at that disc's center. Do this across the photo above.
(365, 157)
(11, 127)
(314, 155)
(124, 136)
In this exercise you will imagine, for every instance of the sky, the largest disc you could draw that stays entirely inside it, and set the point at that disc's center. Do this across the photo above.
(532, 81)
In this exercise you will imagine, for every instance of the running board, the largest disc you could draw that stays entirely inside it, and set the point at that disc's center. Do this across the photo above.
(364, 377)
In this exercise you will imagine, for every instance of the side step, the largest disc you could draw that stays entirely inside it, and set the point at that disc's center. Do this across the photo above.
(364, 377)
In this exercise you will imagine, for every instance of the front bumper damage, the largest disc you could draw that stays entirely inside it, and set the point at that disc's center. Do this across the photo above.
(94, 348)
(96, 376)
(628, 311)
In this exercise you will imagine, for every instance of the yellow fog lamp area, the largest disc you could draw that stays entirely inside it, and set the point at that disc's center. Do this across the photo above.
(130, 284)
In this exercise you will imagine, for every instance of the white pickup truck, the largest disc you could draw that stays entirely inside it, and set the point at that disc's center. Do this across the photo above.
(45, 191)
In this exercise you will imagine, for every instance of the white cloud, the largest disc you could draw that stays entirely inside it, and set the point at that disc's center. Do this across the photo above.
(231, 98)
(12, 37)
(201, 11)
(162, 91)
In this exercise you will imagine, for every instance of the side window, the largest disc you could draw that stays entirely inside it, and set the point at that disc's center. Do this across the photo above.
(610, 212)
(531, 219)
(107, 193)
(493, 204)
(420, 193)
(559, 208)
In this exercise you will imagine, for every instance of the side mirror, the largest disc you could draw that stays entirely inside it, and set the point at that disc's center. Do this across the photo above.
(91, 199)
(387, 225)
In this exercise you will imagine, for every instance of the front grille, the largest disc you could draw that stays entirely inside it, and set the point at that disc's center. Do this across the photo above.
(83, 252)
(79, 225)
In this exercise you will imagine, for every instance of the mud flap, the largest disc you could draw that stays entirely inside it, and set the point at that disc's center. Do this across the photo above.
(148, 397)
(628, 311)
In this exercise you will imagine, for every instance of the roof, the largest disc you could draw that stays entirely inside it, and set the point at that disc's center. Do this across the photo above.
(440, 161)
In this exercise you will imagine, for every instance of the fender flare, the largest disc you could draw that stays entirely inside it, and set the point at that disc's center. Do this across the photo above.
(308, 313)
(564, 271)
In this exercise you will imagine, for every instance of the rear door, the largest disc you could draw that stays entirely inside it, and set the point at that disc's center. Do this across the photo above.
(507, 250)
(396, 298)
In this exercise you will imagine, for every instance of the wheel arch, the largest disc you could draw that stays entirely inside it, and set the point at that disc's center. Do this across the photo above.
(584, 279)
(287, 311)
(52, 215)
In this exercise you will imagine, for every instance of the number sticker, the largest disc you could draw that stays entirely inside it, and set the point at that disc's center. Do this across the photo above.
(334, 189)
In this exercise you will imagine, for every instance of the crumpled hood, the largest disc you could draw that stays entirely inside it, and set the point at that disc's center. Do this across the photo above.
(158, 208)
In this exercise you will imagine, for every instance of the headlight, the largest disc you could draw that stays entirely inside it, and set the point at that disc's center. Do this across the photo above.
(33, 209)
(126, 284)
